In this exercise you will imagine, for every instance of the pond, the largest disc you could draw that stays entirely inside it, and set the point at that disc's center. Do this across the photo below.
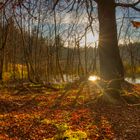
(133, 81)
(93, 78)
(129, 79)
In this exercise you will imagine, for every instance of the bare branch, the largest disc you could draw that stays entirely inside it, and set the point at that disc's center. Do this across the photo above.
(56, 2)
(133, 5)
(2, 5)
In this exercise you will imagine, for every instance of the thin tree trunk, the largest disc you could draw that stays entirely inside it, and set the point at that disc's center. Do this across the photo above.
(2, 47)
(86, 71)
(1, 62)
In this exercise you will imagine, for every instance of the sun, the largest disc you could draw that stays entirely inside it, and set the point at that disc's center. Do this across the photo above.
(91, 39)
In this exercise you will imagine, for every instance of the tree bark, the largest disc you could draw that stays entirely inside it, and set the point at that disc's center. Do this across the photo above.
(111, 67)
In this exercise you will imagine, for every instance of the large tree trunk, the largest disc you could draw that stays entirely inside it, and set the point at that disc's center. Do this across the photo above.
(111, 67)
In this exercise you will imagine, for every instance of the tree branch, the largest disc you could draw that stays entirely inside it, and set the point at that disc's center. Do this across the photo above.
(56, 2)
(3, 4)
(133, 5)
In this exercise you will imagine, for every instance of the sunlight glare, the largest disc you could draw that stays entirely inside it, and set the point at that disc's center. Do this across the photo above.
(93, 78)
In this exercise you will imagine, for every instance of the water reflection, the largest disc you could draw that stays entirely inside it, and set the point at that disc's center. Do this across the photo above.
(71, 78)
(129, 79)
(133, 81)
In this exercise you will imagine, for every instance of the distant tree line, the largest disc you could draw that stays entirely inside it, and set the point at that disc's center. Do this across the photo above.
(29, 56)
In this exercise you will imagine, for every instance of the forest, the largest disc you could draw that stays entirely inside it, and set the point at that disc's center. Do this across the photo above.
(69, 70)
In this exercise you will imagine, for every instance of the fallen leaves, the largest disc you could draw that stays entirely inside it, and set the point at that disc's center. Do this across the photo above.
(47, 116)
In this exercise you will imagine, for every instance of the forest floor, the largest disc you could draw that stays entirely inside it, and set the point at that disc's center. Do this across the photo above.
(39, 113)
